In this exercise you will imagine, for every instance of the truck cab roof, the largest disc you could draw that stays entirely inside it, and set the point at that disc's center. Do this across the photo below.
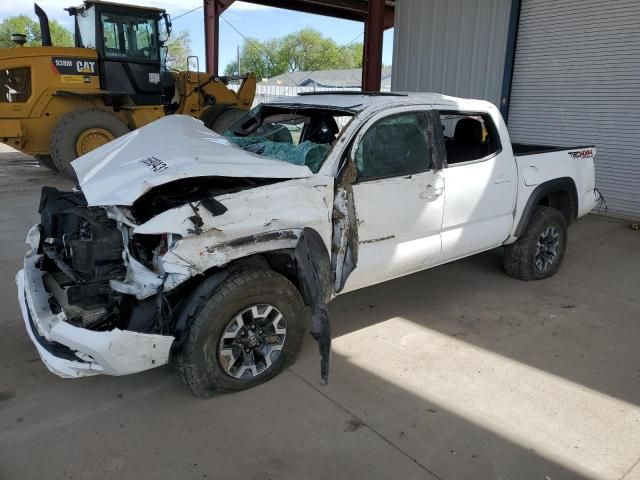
(359, 101)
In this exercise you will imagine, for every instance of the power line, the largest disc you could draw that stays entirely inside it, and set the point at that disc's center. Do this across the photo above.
(254, 45)
(187, 13)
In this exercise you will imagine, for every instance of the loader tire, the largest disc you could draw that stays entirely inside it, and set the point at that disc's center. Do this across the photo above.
(80, 131)
(220, 117)
(47, 162)
(539, 251)
(252, 313)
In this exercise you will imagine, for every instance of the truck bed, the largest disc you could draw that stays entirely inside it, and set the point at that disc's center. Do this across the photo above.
(522, 149)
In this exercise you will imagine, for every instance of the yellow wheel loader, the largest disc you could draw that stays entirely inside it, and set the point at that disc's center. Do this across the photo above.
(58, 103)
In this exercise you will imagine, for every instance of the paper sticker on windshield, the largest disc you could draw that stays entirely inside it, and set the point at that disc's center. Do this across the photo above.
(154, 164)
(581, 154)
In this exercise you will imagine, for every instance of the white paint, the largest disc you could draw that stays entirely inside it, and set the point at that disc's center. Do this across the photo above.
(479, 199)
(115, 352)
(283, 207)
(558, 165)
(171, 148)
(399, 220)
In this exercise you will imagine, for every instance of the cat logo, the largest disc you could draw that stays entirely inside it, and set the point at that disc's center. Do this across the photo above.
(74, 66)
(84, 66)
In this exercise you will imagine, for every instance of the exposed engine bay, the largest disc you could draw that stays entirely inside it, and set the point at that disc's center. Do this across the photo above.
(82, 251)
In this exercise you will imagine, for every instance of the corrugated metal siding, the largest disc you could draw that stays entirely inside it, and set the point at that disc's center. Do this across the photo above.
(577, 81)
(455, 47)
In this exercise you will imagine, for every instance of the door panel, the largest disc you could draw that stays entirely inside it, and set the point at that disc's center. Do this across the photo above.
(481, 179)
(398, 197)
(478, 211)
(399, 222)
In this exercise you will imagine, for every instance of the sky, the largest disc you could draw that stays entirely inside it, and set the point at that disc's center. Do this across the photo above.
(250, 20)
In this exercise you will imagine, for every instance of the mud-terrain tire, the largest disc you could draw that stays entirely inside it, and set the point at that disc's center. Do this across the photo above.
(67, 132)
(538, 253)
(206, 366)
(46, 161)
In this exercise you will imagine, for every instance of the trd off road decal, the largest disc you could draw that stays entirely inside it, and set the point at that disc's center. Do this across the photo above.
(74, 66)
(581, 154)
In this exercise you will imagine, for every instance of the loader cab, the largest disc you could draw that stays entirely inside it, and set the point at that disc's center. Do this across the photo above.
(129, 41)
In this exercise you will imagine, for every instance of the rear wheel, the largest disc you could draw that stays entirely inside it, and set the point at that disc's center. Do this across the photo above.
(219, 118)
(79, 132)
(249, 330)
(538, 253)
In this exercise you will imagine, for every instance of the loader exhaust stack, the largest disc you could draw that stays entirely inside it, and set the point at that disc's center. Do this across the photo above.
(44, 25)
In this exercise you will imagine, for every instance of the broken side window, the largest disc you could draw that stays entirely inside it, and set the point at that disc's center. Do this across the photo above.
(302, 136)
(468, 136)
(395, 146)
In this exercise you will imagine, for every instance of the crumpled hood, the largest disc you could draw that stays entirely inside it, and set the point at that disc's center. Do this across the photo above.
(171, 148)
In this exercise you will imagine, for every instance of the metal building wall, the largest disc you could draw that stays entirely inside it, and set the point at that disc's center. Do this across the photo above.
(455, 47)
(576, 81)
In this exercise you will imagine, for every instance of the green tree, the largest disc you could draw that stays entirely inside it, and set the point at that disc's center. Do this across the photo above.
(60, 36)
(262, 58)
(178, 50)
(308, 50)
(300, 51)
(353, 54)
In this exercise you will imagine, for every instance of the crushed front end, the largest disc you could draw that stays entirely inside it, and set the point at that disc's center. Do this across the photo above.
(80, 324)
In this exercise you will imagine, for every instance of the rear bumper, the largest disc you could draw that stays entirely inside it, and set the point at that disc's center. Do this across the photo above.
(588, 202)
(72, 352)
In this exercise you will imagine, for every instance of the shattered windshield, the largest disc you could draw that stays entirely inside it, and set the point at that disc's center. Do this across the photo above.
(293, 134)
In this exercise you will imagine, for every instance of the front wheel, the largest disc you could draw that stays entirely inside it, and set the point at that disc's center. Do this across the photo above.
(538, 253)
(249, 330)
(80, 131)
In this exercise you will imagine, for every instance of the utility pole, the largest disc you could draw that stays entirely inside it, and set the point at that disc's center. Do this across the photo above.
(238, 47)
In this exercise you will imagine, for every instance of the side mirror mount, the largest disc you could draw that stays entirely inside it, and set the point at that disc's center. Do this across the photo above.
(193, 67)
(165, 32)
(164, 52)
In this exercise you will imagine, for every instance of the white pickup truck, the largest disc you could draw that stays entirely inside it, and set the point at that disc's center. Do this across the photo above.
(218, 250)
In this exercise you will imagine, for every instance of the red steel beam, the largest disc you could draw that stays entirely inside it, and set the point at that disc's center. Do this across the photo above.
(345, 9)
(212, 11)
(372, 58)
(376, 15)
(211, 35)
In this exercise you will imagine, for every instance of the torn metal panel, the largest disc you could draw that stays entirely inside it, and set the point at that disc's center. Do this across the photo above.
(344, 253)
(114, 352)
(140, 281)
(261, 219)
(193, 151)
(314, 271)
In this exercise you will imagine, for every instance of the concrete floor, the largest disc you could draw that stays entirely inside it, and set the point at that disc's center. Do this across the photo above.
(454, 373)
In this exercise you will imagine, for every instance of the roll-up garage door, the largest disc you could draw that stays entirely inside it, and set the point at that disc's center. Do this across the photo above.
(576, 81)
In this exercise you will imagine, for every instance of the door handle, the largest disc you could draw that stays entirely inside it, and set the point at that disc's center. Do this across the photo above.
(502, 179)
(433, 191)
